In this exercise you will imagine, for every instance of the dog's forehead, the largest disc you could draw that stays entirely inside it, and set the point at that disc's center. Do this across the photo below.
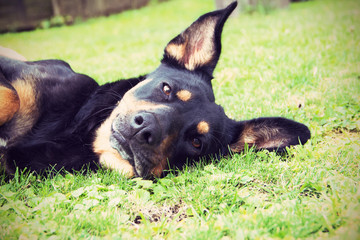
(187, 84)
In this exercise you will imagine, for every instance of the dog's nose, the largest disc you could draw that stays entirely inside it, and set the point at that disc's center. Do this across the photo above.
(146, 128)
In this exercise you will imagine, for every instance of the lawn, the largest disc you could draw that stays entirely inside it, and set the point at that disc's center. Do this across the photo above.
(301, 63)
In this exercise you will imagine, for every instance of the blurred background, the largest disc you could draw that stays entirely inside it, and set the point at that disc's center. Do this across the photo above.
(20, 15)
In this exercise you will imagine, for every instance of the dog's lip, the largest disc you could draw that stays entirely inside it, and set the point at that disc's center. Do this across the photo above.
(118, 136)
(123, 144)
(123, 147)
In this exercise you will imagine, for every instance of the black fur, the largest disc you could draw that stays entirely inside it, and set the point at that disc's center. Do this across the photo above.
(72, 106)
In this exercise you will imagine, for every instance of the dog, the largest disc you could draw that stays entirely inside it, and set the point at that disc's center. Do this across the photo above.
(51, 116)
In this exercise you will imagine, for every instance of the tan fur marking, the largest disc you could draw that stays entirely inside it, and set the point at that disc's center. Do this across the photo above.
(184, 95)
(203, 45)
(197, 48)
(176, 51)
(27, 115)
(162, 154)
(264, 137)
(28, 108)
(108, 156)
(203, 127)
(246, 137)
(159, 169)
(9, 104)
(273, 143)
(201, 56)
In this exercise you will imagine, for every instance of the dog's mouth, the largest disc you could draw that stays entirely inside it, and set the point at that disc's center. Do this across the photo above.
(120, 144)
(136, 155)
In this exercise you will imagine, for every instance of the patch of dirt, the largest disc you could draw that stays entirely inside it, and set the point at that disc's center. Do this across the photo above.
(339, 141)
(175, 212)
(311, 194)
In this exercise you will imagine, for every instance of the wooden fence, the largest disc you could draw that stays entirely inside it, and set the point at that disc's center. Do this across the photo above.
(19, 15)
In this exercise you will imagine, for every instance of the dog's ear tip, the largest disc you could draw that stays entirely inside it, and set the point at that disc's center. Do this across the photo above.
(230, 8)
(232, 5)
(198, 47)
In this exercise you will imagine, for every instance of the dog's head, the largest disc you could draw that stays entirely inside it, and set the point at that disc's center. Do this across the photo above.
(172, 117)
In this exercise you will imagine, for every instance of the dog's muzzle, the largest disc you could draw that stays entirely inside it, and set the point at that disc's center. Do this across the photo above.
(137, 139)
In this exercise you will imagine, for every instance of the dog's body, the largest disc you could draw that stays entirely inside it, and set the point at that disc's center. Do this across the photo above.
(52, 116)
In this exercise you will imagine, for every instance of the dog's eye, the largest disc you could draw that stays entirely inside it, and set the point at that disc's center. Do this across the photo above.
(166, 89)
(196, 143)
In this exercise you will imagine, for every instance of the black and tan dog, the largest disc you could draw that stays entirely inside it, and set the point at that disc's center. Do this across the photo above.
(52, 116)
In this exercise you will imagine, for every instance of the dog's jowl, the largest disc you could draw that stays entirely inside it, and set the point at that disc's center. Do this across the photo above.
(51, 116)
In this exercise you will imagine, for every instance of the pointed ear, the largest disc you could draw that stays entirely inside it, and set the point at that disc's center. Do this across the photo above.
(273, 134)
(199, 46)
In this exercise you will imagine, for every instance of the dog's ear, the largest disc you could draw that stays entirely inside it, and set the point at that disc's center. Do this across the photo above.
(273, 134)
(199, 46)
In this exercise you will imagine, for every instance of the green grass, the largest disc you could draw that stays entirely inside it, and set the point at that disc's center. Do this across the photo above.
(307, 55)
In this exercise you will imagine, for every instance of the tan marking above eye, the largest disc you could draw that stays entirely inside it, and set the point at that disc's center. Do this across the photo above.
(184, 95)
(203, 127)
